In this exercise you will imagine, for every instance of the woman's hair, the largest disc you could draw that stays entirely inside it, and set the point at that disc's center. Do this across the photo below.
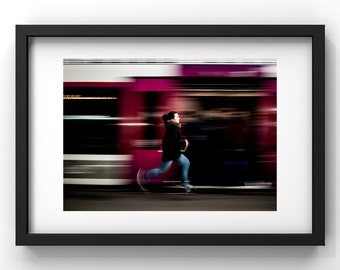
(168, 116)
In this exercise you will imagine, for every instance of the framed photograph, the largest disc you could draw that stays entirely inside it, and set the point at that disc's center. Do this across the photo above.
(170, 135)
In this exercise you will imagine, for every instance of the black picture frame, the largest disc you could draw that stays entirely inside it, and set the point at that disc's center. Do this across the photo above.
(23, 35)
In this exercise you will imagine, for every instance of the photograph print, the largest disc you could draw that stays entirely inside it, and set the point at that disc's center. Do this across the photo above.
(170, 135)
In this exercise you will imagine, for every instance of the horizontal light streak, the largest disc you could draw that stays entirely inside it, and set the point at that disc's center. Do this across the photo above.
(96, 181)
(82, 97)
(98, 157)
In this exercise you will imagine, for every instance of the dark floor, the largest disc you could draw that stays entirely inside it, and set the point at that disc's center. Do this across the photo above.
(80, 198)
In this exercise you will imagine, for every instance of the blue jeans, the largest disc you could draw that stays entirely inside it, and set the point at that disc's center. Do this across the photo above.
(182, 160)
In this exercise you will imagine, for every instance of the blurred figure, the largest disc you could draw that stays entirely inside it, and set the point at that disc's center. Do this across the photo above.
(172, 146)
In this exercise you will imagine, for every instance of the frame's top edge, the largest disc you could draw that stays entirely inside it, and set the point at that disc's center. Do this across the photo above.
(168, 30)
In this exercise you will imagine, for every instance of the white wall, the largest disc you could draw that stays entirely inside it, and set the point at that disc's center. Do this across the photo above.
(166, 12)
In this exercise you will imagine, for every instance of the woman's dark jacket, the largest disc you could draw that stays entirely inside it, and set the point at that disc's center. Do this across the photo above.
(172, 142)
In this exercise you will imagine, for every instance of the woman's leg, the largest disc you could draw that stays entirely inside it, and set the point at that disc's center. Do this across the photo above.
(161, 169)
(185, 163)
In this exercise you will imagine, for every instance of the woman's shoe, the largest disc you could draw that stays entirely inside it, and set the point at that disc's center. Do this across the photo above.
(141, 179)
(188, 188)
